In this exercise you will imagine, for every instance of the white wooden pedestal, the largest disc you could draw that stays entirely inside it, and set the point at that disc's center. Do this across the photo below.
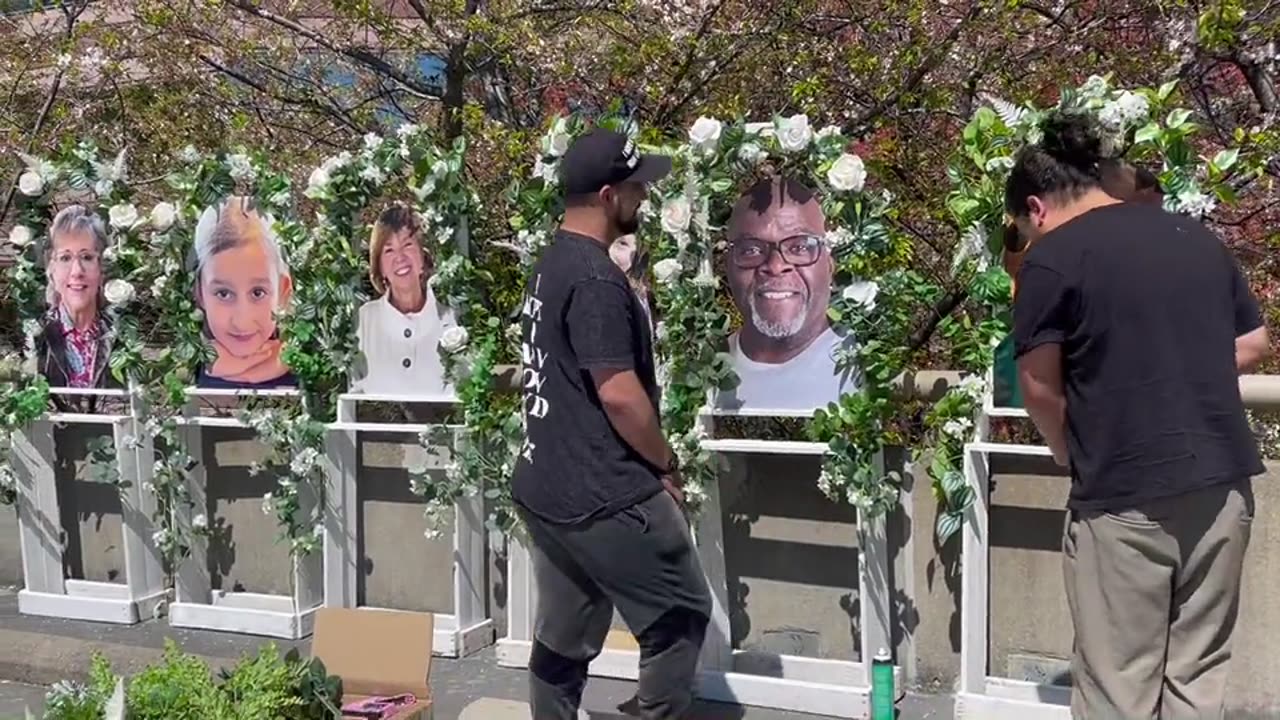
(46, 592)
(981, 697)
(465, 631)
(810, 685)
(198, 605)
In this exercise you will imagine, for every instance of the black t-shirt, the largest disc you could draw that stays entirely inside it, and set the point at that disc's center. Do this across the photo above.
(1147, 306)
(579, 314)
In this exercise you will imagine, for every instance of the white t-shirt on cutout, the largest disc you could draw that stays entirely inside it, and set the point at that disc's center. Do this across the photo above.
(807, 381)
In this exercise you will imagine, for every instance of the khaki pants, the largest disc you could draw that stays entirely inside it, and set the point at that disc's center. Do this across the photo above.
(1154, 593)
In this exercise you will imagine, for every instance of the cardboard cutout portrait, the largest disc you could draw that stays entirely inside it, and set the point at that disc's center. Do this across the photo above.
(399, 331)
(74, 345)
(241, 283)
(779, 269)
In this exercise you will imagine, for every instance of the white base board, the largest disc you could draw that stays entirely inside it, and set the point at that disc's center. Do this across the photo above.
(987, 707)
(232, 616)
(84, 605)
(835, 700)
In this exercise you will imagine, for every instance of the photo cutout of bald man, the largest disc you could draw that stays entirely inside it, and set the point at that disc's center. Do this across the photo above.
(779, 270)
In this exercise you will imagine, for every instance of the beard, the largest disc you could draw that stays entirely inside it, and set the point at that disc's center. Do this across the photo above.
(779, 329)
(628, 225)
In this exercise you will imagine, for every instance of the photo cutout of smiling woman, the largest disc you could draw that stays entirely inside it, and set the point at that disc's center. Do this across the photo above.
(241, 283)
(400, 331)
(74, 346)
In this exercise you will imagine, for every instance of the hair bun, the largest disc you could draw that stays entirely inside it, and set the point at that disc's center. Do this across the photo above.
(1072, 139)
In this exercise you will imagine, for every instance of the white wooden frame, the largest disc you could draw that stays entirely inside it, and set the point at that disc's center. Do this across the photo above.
(197, 605)
(463, 632)
(980, 696)
(836, 688)
(46, 592)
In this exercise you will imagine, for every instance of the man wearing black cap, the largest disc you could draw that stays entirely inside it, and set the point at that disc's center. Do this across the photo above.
(596, 483)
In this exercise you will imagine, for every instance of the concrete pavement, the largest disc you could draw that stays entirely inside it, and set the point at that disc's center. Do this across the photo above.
(36, 652)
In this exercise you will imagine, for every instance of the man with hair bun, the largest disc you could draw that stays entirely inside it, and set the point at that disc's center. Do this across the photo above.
(1131, 377)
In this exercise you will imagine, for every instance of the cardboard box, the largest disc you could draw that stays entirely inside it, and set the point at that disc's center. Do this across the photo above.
(378, 653)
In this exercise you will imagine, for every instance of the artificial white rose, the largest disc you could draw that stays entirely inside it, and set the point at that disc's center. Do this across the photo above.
(407, 130)
(660, 331)
(189, 154)
(1094, 87)
(372, 141)
(549, 172)
(847, 174)
(20, 236)
(160, 537)
(318, 181)
(200, 522)
(118, 291)
(373, 174)
(676, 215)
(794, 133)
(163, 216)
(557, 143)
(157, 287)
(957, 428)
(705, 133)
(862, 293)
(453, 339)
(31, 184)
(752, 154)
(1133, 107)
(241, 167)
(103, 187)
(665, 271)
(1002, 163)
(1111, 117)
(123, 216)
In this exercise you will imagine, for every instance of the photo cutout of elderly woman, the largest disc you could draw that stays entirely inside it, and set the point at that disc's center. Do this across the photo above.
(241, 283)
(779, 271)
(399, 332)
(74, 347)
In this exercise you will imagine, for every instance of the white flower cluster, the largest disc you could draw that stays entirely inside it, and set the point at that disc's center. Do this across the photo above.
(1191, 202)
(241, 168)
(321, 177)
(1123, 111)
(305, 463)
(958, 429)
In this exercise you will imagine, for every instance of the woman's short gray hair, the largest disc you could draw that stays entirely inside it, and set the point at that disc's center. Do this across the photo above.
(70, 220)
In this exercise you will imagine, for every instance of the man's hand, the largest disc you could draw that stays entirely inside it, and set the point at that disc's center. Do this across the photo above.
(674, 484)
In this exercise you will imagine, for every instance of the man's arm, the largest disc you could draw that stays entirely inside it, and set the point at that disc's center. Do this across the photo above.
(1043, 318)
(599, 326)
(1253, 344)
(1251, 349)
(631, 413)
(1040, 375)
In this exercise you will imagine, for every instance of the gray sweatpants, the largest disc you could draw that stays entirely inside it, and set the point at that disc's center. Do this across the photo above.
(641, 561)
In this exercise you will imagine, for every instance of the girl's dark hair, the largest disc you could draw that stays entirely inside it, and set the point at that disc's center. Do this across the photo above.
(1065, 163)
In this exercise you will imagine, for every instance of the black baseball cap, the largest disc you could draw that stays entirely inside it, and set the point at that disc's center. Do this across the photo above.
(603, 157)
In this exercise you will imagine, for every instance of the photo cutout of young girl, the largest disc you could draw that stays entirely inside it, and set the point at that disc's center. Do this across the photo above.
(241, 283)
